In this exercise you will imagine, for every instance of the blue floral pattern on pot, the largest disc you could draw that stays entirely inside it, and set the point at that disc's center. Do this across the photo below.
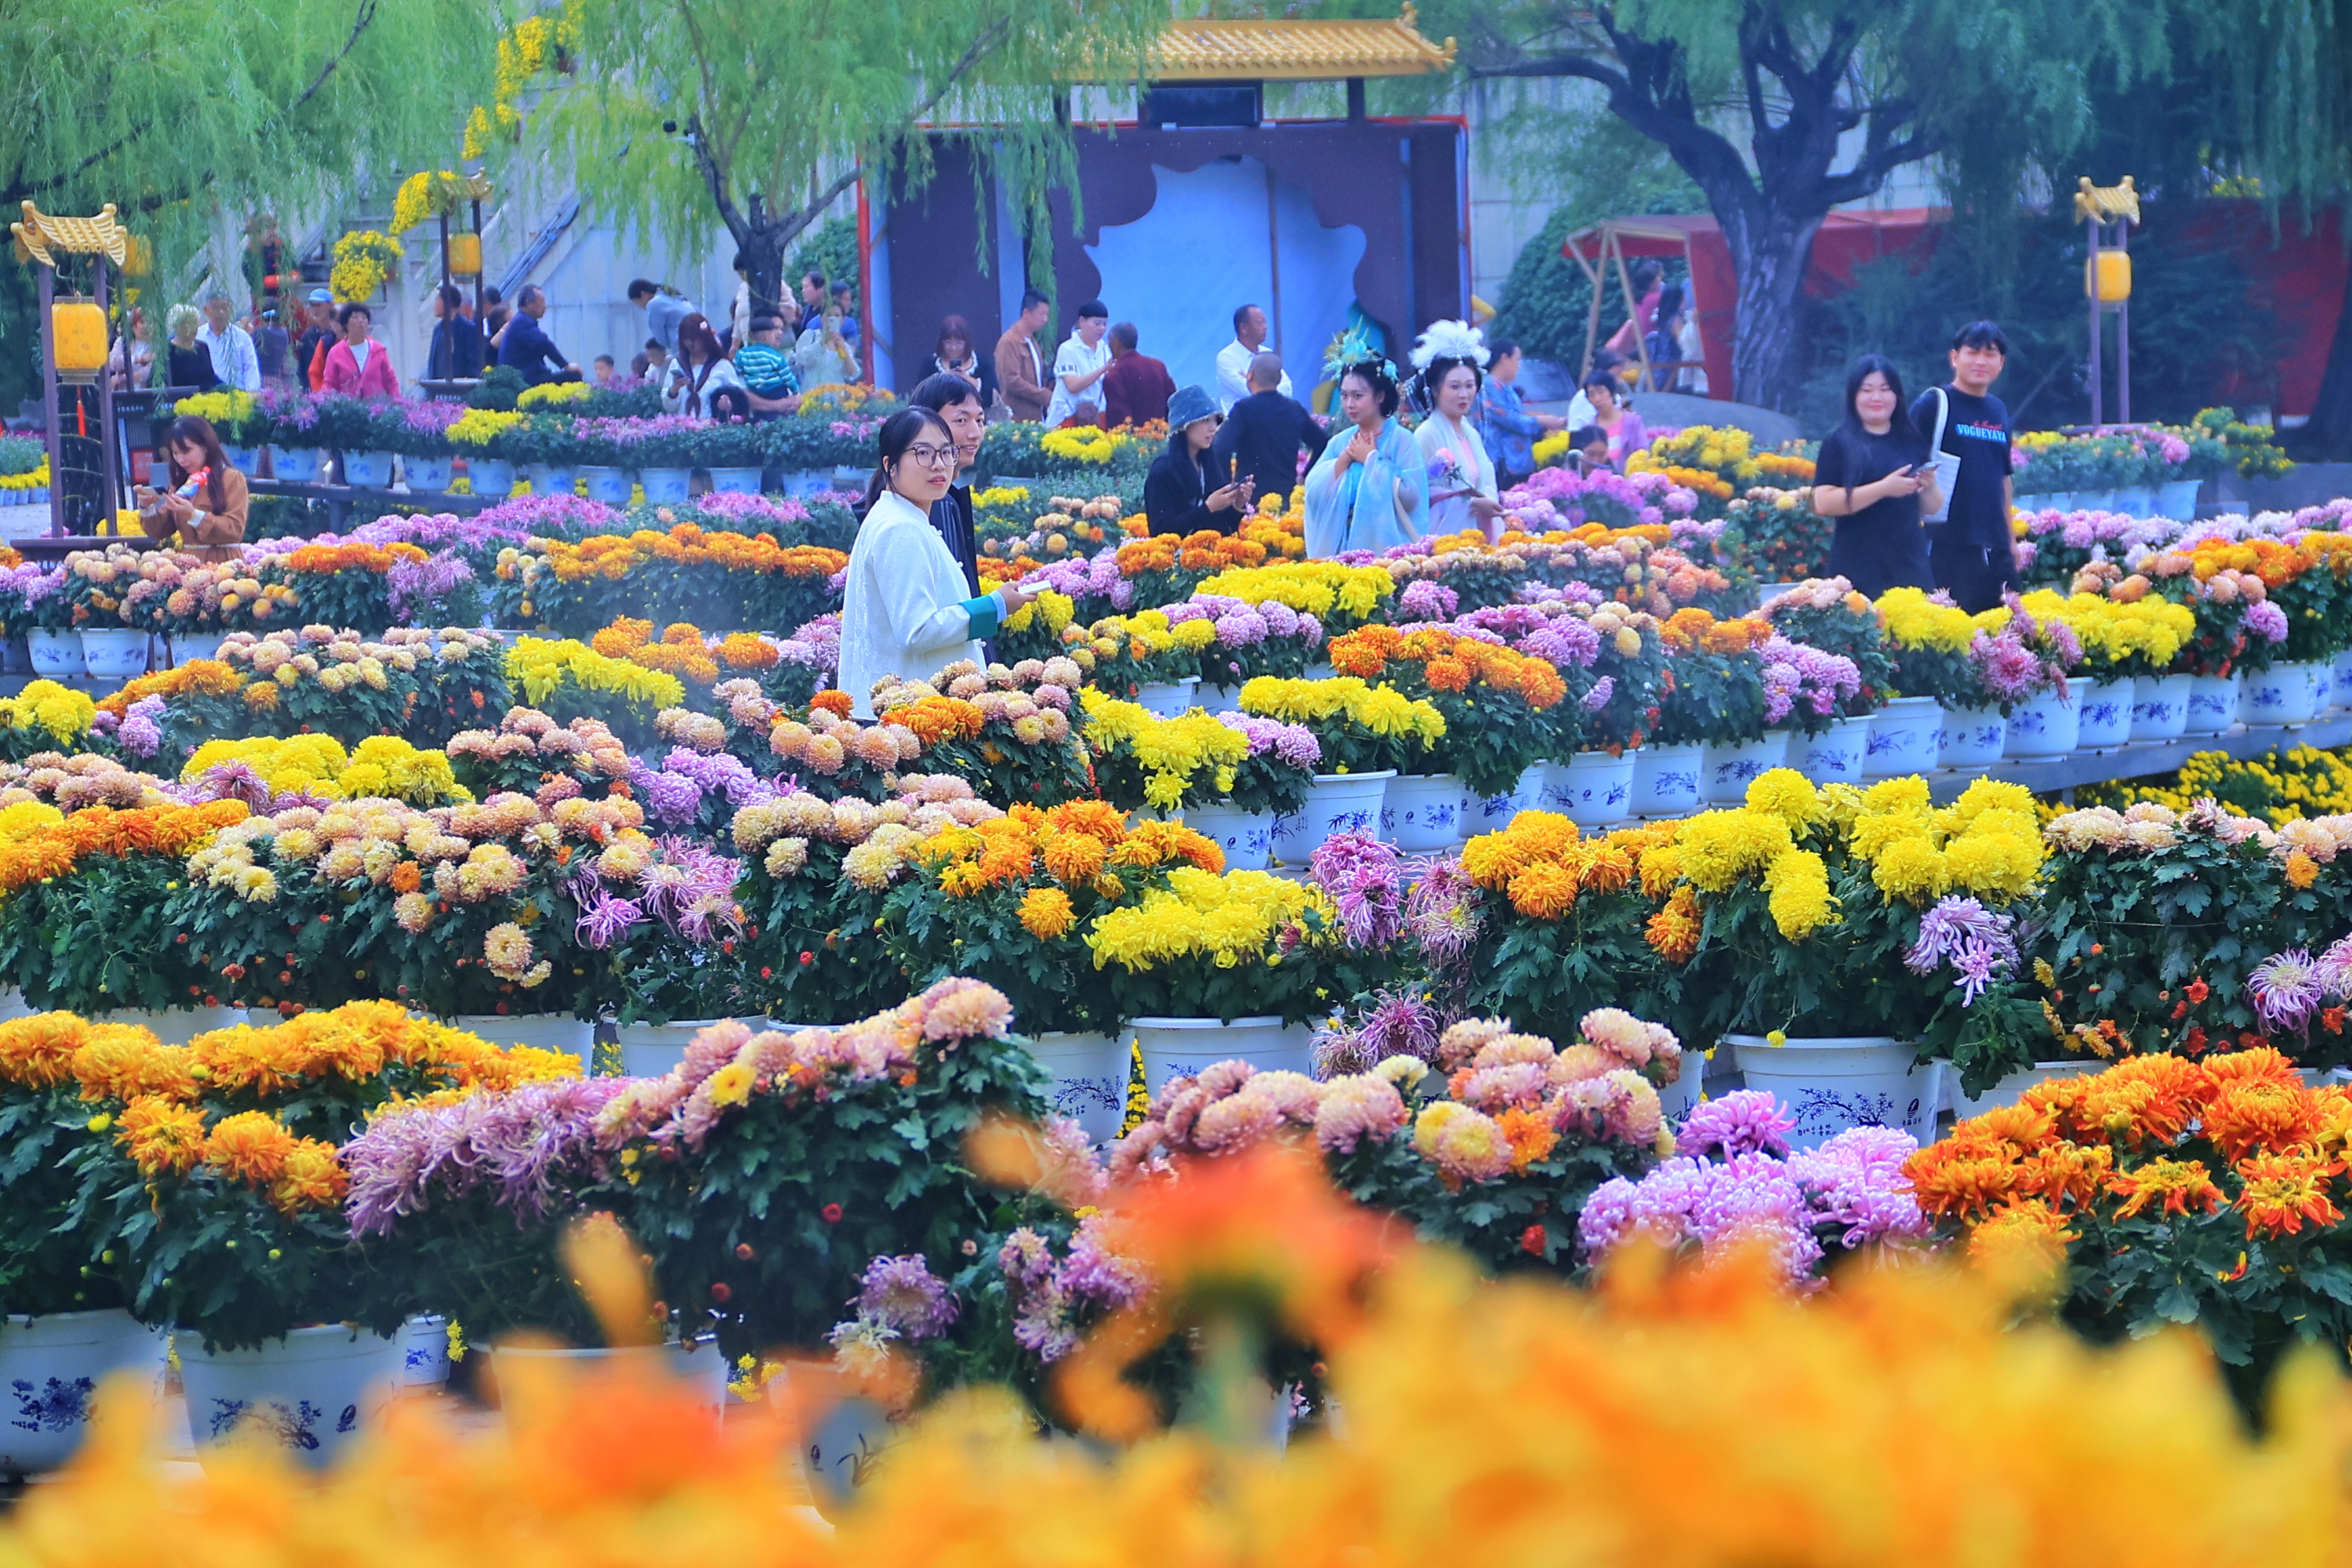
(56, 1405)
(294, 1427)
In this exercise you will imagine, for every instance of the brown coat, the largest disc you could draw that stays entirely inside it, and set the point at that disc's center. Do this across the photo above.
(1020, 375)
(213, 535)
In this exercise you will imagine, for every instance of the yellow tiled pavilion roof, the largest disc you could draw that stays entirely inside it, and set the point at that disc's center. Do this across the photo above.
(1297, 51)
(42, 233)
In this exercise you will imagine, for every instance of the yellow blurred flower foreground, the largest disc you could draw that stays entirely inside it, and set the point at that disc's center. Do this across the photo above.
(1691, 1419)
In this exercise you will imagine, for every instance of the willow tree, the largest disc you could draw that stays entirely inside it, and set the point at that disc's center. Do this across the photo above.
(760, 115)
(177, 109)
(1781, 110)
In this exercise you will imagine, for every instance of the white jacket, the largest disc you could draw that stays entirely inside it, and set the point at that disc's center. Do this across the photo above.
(903, 608)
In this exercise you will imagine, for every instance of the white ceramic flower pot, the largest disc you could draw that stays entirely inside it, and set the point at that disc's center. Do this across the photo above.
(1836, 754)
(298, 465)
(1245, 837)
(1168, 699)
(1493, 814)
(427, 476)
(2094, 501)
(56, 655)
(2012, 1085)
(245, 460)
(649, 1050)
(665, 487)
(845, 1432)
(612, 485)
(1666, 780)
(1727, 771)
(1680, 1097)
(2339, 681)
(189, 646)
(1594, 788)
(1089, 1080)
(2214, 702)
(2283, 694)
(2161, 707)
(2176, 500)
(1902, 738)
(1830, 1085)
(489, 476)
(368, 470)
(316, 1390)
(1181, 1048)
(699, 1367)
(1972, 737)
(2104, 714)
(50, 1367)
(1422, 812)
(424, 1352)
(13, 1006)
(547, 1031)
(114, 653)
(554, 479)
(2053, 500)
(1338, 803)
(731, 482)
(179, 1025)
(2045, 726)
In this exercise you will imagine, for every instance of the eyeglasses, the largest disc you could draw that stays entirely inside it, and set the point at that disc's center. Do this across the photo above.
(932, 456)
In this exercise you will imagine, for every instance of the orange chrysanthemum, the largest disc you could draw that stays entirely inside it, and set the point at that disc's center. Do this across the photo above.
(2282, 1191)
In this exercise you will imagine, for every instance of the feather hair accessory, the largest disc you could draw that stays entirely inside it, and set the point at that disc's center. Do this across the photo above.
(1451, 340)
(1350, 347)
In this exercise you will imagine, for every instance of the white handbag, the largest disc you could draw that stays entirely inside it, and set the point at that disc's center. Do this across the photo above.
(1947, 465)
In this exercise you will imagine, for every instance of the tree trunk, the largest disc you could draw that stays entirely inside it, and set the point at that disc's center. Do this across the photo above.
(1769, 251)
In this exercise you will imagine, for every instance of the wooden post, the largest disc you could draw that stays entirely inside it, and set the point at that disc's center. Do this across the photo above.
(483, 272)
(444, 247)
(2123, 335)
(49, 401)
(107, 479)
(2097, 370)
(1633, 314)
(1591, 317)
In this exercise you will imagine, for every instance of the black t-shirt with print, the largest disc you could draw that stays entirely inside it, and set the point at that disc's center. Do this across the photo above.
(1976, 432)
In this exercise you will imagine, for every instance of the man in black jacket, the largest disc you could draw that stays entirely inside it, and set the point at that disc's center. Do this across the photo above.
(957, 400)
(1263, 436)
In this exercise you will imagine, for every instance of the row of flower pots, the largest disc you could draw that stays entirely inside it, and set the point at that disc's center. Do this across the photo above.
(489, 476)
(112, 653)
(2176, 500)
(316, 1390)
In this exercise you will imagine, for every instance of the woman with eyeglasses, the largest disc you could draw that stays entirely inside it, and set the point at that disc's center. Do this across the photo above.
(905, 611)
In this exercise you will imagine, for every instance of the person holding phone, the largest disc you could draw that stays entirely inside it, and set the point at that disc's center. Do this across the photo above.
(1872, 476)
(1184, 493)
(205, 506)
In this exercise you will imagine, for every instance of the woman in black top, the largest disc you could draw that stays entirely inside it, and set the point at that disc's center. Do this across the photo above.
(1177, 498)
(187, 363)
(1872, 476)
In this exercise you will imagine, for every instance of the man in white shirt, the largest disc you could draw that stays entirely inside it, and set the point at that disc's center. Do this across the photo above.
(234, 360)
(1079, 364)
(1233, 359)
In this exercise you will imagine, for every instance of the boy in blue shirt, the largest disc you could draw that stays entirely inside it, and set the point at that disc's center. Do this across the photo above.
(767, 370)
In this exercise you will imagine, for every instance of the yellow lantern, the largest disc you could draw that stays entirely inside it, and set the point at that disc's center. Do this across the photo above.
(138, 255)
(2114, 280)
(78, 328)
(466, 255)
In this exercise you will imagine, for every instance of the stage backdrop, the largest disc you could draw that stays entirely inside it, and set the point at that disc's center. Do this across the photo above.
(1180, 227)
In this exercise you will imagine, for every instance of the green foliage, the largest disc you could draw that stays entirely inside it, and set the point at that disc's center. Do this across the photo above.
(769, 1221)
(761, 115)
(830, 247)
(20, 454)
(50, 1249)
(175, 110)
(497, 389)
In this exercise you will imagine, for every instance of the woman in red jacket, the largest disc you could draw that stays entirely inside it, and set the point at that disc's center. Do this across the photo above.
(358, 365)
